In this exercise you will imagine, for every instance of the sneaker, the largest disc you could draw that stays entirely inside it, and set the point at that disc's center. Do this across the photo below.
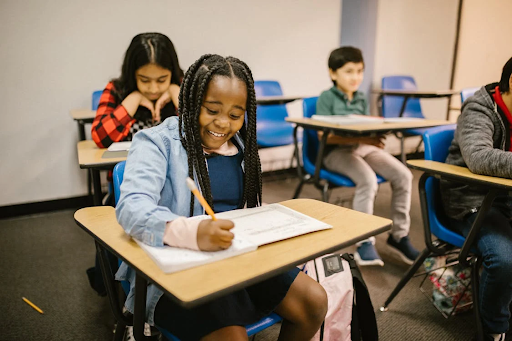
(403, 249)
(367, 255)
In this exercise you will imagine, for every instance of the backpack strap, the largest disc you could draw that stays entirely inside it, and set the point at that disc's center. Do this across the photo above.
(362, 310)
(323, 323)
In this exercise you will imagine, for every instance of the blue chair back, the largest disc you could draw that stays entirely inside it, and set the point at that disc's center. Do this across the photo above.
(391, 105)
(272, 129)
(437, 141)
(267, 88)
(96, 99)
(466, 93)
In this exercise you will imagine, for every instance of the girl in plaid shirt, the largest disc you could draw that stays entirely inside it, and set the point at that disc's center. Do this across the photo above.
(145, 94)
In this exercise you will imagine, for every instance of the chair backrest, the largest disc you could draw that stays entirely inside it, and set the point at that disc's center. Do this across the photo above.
(267, 88)
(437, 141)
(96, 99)
(310, 137)
(391, 105)
(466, 93)
(117, 179)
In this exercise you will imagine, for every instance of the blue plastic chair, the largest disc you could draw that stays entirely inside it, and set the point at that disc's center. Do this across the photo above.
(437, 141)
(391, 105)
(310, 145)
(466, 93)
(272, 129)
(252, 329)
(96, 99)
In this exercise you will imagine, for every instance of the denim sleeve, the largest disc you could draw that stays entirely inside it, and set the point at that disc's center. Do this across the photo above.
(138, 210)
(324, 104)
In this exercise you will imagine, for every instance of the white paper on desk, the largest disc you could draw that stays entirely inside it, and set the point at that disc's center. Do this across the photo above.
(401, 119)
(120, 146)
(347, 119)
(253, 227)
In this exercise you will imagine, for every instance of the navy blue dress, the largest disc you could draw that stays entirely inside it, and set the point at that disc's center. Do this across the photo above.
(242, 307)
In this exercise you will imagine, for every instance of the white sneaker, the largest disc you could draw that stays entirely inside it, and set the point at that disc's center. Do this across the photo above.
(128, 335)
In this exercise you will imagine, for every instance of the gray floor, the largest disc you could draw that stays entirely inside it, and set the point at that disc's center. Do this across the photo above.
(44, 258)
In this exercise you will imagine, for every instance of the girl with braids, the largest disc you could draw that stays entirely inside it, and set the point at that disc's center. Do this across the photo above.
(144, 95)
(213, 142)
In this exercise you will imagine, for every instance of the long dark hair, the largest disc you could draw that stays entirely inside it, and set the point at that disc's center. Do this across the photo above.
(192, 93)
(505, 76)
(144, 49)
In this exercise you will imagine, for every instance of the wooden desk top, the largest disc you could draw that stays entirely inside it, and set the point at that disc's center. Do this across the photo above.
(267, 100)
(86, 115)
(90, 156)
(417, 93)
(451, 172)
(366, 128)
(196, 285)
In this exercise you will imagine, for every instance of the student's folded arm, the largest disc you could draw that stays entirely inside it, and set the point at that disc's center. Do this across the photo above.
(112, 122)
(475, 136)
(138, 210)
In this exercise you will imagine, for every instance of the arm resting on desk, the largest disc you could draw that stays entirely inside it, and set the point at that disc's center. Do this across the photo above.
(474, 134)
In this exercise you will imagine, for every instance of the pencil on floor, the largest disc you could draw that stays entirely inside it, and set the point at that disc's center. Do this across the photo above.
(32, 305)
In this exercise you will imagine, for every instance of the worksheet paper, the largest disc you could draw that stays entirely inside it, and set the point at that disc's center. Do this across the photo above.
(348, 119)
(120, 146)
(253, 227)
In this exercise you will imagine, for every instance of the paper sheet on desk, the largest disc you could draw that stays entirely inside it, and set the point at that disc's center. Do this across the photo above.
(253, 227)
(120, 146)
(347, 119)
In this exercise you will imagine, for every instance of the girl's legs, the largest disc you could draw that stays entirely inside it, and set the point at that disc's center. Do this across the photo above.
(303, 309)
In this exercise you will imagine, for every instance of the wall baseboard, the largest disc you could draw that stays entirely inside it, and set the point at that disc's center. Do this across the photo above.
(45, 206)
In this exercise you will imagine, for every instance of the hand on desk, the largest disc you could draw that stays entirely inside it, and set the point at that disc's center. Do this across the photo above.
(214, 235)
(132, 102)
(377, 141)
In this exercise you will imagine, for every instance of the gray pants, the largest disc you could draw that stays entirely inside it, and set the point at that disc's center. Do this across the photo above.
(360, 164)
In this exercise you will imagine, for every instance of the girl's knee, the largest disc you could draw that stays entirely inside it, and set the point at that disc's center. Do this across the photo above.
(316, 304)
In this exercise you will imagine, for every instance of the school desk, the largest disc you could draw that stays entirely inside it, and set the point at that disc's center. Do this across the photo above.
(82, 117)
(270, 100)
(494, 185)
(203, 283)
(353, 130)
(406, 94)
(95, 159)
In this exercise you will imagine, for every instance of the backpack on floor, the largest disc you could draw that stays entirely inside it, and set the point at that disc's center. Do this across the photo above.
(350, 315)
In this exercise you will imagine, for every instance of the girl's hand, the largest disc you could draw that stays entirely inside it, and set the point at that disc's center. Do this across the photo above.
(214, 235)
(148, 104)
(377, 141)
(171, 94)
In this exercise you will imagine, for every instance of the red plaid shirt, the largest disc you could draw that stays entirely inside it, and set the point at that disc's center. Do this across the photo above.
(112, 122)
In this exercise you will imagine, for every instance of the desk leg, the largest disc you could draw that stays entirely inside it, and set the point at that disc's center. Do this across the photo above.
(96, 181)
(473, 233)
(402, 139)
(81, 130)
(318, 165)
(139, 316)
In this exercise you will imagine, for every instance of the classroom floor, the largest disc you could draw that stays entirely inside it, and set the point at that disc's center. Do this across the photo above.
(44, 258)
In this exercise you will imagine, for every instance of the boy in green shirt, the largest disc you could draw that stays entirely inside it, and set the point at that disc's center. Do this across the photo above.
(360, 158)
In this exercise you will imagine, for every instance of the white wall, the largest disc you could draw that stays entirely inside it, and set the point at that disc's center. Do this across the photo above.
(54, 54)
(417, 38)
(484, 42)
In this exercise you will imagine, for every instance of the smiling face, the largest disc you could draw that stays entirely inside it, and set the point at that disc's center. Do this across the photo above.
(152, 81)
(348, 78)
(223, 111)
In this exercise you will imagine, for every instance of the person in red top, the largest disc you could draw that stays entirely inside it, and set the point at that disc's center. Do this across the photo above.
(144, 95)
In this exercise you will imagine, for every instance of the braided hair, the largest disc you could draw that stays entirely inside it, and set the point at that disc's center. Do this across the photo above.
(192, 92)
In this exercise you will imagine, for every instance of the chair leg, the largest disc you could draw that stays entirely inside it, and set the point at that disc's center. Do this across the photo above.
(303, 180)
(408, 275)
(475, 283)
(325, 192)
(120, 330)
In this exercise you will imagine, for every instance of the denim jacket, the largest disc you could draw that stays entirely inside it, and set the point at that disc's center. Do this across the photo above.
(153, 193)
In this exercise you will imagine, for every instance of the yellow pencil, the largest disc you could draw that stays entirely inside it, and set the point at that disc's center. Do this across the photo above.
(32, 305)
(192, 186)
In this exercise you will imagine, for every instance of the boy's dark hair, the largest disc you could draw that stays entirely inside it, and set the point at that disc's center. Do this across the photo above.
(344, 55)
(505, 76)
(147, 48)
(192, 93)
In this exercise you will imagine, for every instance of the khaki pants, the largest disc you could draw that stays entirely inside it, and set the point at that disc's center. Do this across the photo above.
(360, 164)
